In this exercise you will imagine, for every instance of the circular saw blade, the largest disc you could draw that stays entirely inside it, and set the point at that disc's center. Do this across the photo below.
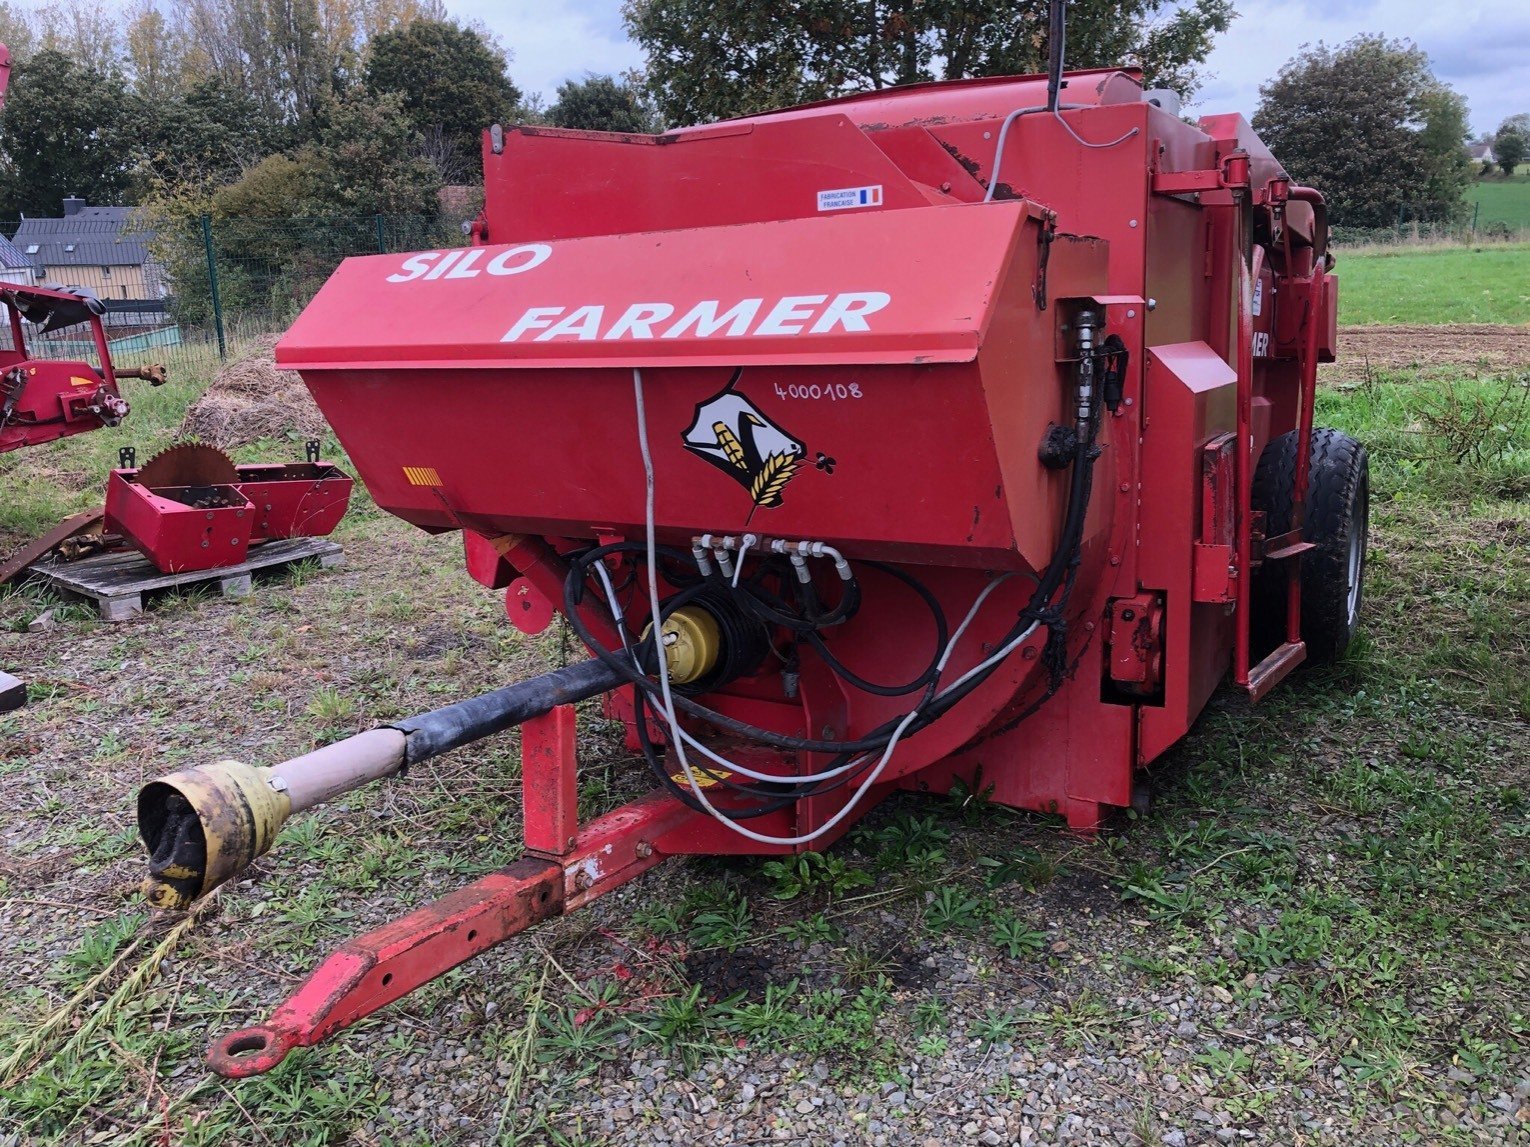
(188, 464)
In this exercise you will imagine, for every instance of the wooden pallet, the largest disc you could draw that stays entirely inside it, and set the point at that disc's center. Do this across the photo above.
(117, 582)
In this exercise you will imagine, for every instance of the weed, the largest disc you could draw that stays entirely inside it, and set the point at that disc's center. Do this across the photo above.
(726, 926)
(951, 910)
(995, 1027)
(930, 1015)
(810, 872)
(98, 946)
(572, 1033)
(862, 964)
(679, 1021)
(971, 800)
(813, 929)
(910, 834)
(331, 708)
(657, 919)
(1015, 936)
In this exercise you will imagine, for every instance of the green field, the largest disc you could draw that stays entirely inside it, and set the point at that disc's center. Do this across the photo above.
(1487, 284)
(1502, 201)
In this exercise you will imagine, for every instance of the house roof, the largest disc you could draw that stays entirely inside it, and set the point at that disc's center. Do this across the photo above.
(11, 258)
(1480, 150)
(100, 235)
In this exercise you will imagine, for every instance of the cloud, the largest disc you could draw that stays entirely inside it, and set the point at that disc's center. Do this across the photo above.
(1479, 49)
(555, 40)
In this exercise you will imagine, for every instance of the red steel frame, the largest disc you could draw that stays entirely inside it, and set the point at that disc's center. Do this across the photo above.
(1167, 542)
(61, 377)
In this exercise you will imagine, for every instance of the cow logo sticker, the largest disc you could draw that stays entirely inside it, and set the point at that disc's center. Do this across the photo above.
(734, 435)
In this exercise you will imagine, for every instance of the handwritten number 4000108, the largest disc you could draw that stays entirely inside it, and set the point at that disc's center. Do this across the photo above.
(829, 391)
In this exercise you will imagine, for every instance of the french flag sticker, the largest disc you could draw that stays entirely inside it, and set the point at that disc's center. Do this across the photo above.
(845, 198)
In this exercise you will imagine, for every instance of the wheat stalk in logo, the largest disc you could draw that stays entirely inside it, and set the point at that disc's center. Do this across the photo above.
(772, 479)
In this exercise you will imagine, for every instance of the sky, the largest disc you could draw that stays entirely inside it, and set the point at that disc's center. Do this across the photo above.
(1479, 47)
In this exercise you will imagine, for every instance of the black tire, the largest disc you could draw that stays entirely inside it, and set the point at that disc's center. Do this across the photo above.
(1338, 522)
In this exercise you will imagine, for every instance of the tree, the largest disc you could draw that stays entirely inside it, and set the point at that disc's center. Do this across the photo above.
(367, 160)
(289, 55)
(66, 130)
(710, 59)
(1511, 144)
(206, 137)
(16, 30)
(85, 32)
(451, 83)
(1368, 124)
(154, 52)
(602, 103)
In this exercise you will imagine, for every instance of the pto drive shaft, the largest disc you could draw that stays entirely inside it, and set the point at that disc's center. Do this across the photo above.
(205, 824)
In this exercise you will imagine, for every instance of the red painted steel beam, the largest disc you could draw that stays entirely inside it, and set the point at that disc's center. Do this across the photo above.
(550, 783)
(372, 971)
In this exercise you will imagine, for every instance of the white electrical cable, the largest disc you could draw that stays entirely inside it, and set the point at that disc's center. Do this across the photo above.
(679, 738)
(839, 771)
(998, 154)
(743, 548)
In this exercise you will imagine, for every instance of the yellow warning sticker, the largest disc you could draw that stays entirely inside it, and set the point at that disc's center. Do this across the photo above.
(703, 780)
(76, 380)
(422, 475)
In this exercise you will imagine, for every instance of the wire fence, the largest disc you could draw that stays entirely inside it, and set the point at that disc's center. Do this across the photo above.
(188, 280)
(179, 280)
(1427, 233)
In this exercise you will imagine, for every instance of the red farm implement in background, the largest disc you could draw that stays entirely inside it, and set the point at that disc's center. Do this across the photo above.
(952, 430)
(43, 399)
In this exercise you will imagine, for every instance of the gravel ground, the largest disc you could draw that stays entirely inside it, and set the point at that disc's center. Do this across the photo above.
(1316, 937)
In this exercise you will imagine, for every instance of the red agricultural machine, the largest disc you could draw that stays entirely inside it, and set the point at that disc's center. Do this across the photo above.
(43, 399)
(954, 431)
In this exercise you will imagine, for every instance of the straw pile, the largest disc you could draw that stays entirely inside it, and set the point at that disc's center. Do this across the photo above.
(250, 399)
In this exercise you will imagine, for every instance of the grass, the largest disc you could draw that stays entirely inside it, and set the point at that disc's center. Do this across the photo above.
(1501, 200)
(1446, 284)
(1338, 874)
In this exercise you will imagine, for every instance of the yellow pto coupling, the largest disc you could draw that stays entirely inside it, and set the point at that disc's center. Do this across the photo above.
(205, 824)
(692, 643)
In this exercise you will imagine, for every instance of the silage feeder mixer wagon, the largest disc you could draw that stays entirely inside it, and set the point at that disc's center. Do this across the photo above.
(947, 432)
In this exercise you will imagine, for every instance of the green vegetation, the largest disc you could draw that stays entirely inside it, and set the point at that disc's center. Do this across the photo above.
(1409, 126)
(1501, 200)
(1482, 284)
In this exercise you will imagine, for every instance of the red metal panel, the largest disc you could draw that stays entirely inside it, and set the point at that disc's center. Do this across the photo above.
(1191, 396)
(550, 782)
(548, 184)
(1216, 560)
(175, 536)
(295, 500)
(879, 287)
(920, 155)
(980, 98)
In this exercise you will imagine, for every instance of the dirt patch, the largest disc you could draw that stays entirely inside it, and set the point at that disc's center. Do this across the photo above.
(250, 399)
(1366, 350)
(721, 974)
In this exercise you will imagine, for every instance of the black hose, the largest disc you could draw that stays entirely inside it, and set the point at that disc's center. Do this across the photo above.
(431, 734)
(1057, 34)
(1040, 609)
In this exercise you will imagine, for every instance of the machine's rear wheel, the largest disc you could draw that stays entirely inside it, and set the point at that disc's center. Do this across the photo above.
(1337, 522)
